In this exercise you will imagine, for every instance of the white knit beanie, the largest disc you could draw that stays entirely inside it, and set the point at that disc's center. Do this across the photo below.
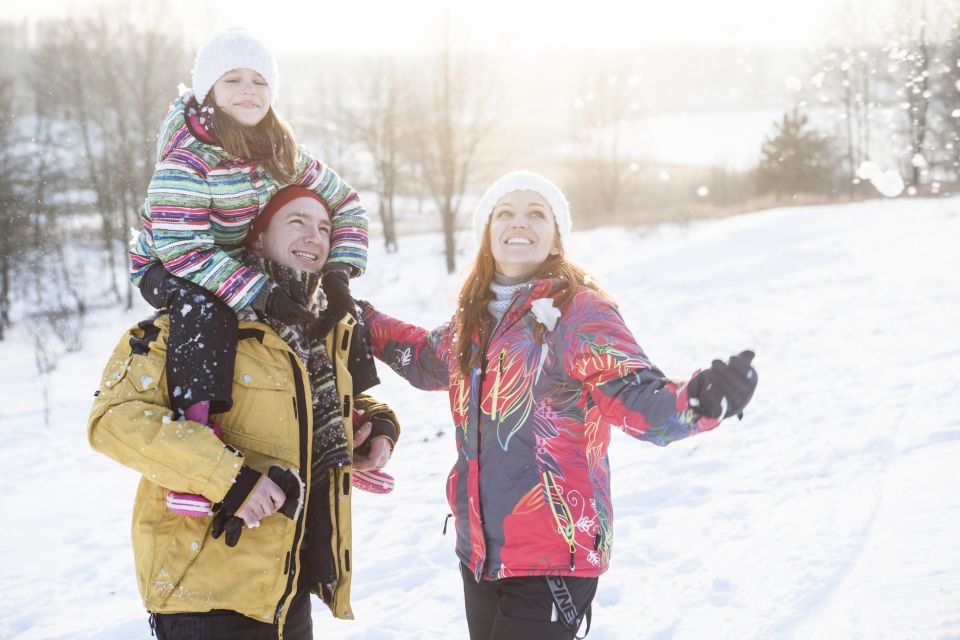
(229, 50)
(523, 181)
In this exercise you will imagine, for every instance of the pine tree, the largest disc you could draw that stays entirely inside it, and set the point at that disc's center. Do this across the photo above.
(796, 158)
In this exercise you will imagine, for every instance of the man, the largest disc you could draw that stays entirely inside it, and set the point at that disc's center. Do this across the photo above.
(286, 445)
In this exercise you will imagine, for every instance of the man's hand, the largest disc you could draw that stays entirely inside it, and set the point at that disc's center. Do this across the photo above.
(252, 497)
(376, 455)
(265, 499)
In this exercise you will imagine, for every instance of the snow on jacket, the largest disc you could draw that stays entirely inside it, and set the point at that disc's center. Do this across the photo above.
(201, 202)
(179, 567)
(530, 489)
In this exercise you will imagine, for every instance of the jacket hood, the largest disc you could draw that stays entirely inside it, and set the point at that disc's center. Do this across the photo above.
(182, 129)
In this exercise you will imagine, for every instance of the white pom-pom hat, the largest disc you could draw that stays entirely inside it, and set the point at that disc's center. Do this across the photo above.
(523, 181)
(229, 50)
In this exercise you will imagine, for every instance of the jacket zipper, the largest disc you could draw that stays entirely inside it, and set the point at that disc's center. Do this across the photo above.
(496, 384)
(347, 411)
(304, 466)
(483, 377)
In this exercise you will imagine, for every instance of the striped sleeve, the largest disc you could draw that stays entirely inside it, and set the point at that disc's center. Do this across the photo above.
(179, 217)
(348, 218)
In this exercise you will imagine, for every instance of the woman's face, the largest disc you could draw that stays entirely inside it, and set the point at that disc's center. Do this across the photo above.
(244, 94)
(297, 236)
(522, 232)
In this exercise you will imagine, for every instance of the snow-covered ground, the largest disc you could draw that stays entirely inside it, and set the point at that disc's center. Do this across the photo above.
(831, 511)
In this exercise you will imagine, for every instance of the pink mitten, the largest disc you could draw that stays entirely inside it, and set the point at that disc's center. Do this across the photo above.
(189, 504)
(373, 480)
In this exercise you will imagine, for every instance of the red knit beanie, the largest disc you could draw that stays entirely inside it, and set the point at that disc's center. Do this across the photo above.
(280, 198)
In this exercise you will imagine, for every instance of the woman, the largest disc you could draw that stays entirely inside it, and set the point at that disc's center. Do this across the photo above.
(539, 365)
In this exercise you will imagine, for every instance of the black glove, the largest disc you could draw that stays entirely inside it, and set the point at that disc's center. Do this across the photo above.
(360, 362)
(289, 480)
(225, 520)
(280, 306)
(229, 523)
(336, 286)
(725, 388)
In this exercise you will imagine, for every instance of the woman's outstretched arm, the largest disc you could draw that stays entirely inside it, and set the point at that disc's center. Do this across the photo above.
(421, 357)
(627, 389)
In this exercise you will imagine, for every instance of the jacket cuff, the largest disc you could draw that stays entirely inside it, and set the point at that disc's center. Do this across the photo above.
(383, 427)
(242, 487)
(224, 475)
(343, 267)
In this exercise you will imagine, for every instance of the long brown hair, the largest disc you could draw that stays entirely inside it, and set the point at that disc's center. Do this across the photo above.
(236, 139)
(472, 316)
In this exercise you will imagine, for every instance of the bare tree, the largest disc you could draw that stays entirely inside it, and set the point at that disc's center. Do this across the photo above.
(851, 75)
(11, 168)
(379, 126)
(33, 179)
(452, 125)
(945, 106)
(111, 78)
(606, 107)
(320, 113)
(911, 56)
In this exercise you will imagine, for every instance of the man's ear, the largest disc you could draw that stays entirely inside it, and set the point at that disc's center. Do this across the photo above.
(257, 245)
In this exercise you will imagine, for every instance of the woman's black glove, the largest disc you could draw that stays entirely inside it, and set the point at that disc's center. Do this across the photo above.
(277, 304)
(725, 388)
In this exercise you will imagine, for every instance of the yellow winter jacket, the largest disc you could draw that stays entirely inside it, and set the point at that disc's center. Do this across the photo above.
(180, 568)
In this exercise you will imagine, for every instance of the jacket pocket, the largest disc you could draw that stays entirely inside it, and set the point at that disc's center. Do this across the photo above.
(176, 541)
(452, 490)
(142, 373)
(264, 414)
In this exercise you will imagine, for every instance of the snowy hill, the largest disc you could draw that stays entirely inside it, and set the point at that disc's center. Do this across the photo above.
(830, 511)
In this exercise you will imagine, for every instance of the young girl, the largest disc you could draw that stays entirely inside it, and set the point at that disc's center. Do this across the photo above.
(222, 152)
(539, 365)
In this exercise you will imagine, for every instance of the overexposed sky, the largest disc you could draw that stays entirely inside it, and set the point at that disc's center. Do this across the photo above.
(509, 25)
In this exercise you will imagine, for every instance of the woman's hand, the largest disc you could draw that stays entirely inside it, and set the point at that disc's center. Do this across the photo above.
(725, 388)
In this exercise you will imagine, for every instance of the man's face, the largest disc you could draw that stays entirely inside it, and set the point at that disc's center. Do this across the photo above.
(298, 236)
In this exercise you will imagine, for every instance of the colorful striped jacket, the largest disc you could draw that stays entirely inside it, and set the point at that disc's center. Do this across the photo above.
(201, 201)
(530, 489)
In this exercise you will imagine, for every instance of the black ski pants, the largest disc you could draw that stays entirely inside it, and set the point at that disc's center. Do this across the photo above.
(520, 608)
(202, 343)
(229, 625)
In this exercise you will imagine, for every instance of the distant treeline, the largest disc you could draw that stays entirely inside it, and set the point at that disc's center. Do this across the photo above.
(82, 98)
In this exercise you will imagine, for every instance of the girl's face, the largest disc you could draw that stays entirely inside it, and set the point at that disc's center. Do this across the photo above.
(244, 94)
(522, 233)
(297, 236)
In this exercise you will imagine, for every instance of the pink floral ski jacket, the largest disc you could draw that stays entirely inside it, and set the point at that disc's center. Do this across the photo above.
(530, 490)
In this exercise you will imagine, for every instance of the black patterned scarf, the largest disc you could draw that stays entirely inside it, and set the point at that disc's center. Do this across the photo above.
(329, 440)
